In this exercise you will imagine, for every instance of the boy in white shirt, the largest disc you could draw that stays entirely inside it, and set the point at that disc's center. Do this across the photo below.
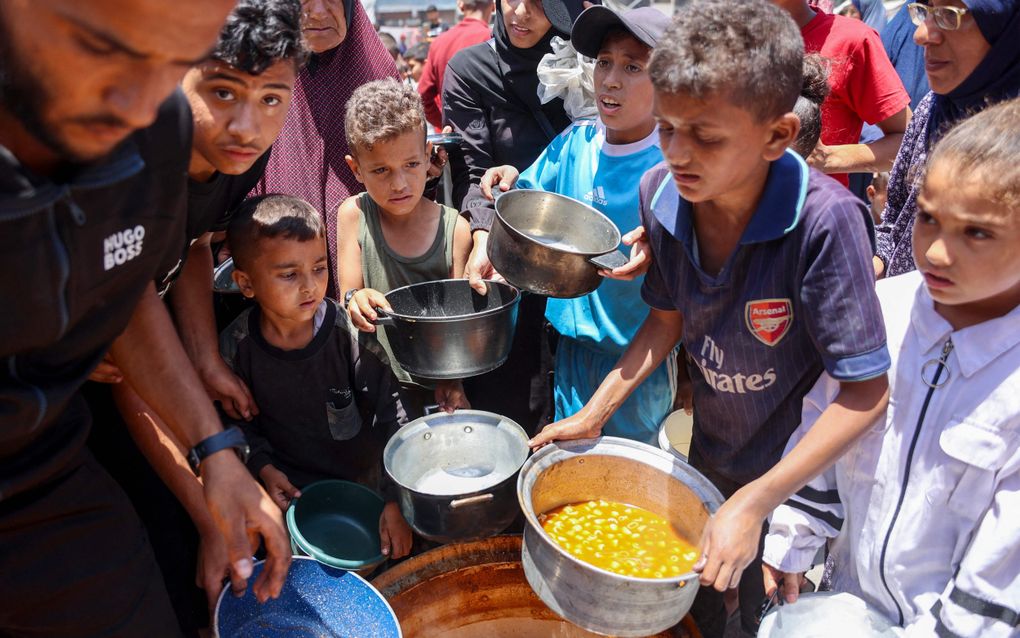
(922, 511)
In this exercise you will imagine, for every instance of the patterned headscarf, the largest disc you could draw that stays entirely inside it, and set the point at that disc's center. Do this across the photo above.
(308, 157)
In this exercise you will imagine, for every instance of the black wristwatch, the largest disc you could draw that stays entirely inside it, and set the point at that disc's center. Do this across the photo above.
(231, 437)
(348, 295)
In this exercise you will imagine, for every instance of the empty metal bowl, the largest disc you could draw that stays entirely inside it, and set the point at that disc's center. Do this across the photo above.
(550, 244)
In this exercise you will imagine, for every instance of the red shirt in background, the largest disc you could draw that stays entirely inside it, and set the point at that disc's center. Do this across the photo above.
(467, 32)
(863, 82)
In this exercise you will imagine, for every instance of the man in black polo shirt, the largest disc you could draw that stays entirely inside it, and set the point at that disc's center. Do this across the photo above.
(92, 207)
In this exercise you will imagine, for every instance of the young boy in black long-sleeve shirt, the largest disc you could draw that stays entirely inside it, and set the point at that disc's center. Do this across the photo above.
(327, 400)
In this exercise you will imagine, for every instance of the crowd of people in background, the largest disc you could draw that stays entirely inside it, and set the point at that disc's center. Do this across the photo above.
(767, 160)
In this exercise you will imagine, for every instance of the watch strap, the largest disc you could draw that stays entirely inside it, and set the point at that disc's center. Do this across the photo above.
(232, 437)
(348, 295)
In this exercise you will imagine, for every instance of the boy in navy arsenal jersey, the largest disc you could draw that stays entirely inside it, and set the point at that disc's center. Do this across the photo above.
(762, 267)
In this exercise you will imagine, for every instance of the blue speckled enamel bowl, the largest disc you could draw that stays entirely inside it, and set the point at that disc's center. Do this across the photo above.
(316, 601)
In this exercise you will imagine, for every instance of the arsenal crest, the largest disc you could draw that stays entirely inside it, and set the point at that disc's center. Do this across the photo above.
(769, 319)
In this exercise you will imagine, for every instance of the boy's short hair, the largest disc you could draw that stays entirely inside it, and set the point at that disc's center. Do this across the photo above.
(260, 33)
(880, 181)
(381, 110)
(419, 51)
(814, 90)
(268, 217)
(748, 50)
(985, 147)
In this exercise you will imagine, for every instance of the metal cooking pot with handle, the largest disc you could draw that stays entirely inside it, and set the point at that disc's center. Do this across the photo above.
(445, 330)
(618, 470)
(456, 473)
(223, 281)
(552, 245)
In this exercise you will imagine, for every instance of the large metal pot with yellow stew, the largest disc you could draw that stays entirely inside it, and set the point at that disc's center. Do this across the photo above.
(626, 472)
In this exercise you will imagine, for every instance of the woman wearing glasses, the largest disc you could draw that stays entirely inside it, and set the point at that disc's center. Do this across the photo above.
(972, 60)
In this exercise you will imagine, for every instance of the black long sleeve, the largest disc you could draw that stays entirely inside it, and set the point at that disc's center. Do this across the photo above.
(498, 128)
(326, 410)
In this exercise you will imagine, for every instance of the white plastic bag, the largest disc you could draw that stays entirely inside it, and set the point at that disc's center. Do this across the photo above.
(567, 74)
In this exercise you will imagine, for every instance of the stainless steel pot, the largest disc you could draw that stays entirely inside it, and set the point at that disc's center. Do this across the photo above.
(445, 330)
(456, 473)
(552, 245)
(619, 470)
(223, 280)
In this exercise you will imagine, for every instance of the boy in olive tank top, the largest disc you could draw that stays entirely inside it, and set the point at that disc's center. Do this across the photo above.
(391, 236)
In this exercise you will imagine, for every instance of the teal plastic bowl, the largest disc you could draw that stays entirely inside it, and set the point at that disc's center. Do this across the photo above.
(337, 524)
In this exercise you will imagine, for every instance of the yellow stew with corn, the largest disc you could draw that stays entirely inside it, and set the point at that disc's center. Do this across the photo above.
(620, 538)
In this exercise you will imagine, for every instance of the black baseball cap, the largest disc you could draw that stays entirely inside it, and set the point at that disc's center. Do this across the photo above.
(562, 13)
(646, 24)
(431, 8)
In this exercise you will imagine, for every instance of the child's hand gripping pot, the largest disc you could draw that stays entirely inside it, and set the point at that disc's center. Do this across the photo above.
(394, 532)
(279, 487)
(362, 305)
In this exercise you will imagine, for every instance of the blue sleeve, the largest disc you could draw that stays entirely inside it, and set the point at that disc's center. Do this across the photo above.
(654, 289)
(843, 314)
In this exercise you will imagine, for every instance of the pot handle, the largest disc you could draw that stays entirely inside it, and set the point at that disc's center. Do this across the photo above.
(471, 500)
(609, 261)
(384, 318)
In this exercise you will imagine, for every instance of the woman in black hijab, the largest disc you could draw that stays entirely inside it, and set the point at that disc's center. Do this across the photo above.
(490, 96)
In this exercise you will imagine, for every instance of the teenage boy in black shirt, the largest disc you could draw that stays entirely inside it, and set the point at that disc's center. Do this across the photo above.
(91, 209)
(239, 98)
